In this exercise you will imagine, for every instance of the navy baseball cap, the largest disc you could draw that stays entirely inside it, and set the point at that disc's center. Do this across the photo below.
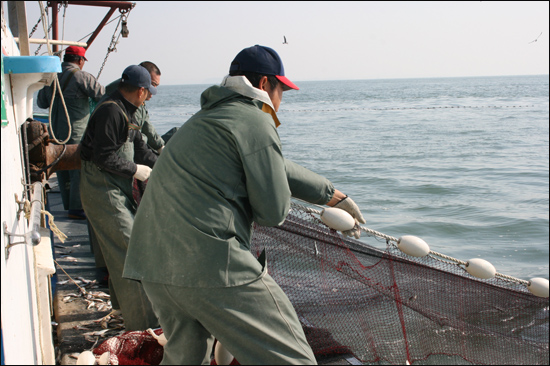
(262, 60)
(138, 76)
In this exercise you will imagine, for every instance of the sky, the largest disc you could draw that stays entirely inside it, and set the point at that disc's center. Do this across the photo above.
(195, 42)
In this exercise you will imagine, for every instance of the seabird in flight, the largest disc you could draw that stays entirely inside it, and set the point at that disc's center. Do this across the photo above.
(536, 39)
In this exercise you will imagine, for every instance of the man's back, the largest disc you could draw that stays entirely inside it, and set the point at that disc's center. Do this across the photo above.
(215, 178)
(77, 87)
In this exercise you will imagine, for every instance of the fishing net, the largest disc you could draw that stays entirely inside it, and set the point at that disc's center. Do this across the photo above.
(361, 305)
(131, 348)
(366, 305)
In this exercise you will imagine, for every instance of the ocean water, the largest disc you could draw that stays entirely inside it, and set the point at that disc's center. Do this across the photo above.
(460, 162)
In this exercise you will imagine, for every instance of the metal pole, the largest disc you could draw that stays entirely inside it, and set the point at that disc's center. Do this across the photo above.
(55, 28)
(37, 204)
(100, 27)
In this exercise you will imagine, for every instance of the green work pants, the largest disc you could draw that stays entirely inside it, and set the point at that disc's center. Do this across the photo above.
(110, 211)
(255, 322)
(69, 186)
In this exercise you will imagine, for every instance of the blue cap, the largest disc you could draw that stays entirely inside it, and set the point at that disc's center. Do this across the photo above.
(262, 60)
(138, 76)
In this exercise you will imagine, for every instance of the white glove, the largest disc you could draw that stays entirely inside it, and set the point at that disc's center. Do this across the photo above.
(142, 172)
(351, 207)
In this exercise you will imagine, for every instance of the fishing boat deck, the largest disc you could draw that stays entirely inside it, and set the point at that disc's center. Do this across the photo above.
(73, 318)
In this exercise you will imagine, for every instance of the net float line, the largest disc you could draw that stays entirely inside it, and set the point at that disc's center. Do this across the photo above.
(416, 247)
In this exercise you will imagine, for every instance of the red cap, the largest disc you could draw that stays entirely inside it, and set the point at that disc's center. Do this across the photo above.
(287, 83)
(77, 51)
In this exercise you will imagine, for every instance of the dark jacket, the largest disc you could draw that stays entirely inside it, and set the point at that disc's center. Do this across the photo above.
(110, 126)
(150, 135)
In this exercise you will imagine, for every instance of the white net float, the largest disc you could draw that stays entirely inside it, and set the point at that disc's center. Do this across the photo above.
(337, 219)
(86, 358)
(480, 268)
(413, 246)
(162, 340)
(159, 338)
(222, 355)
(105, 359)
(538, 286)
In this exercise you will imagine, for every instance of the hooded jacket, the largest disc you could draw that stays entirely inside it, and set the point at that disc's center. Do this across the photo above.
(223, 170)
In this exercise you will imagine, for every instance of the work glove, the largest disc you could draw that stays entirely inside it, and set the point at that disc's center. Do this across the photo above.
(351, 207)
(142, 172)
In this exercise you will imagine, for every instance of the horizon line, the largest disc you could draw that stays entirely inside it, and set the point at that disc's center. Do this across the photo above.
(382, 78)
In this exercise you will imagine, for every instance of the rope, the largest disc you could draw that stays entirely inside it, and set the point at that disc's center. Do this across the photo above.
(447, 257)
(92, 32)
(379, 234)
(53, 227)
(43, 14)
(36, 26)
(26, 206)
(82, 290)
(55, 86)
(512, 279)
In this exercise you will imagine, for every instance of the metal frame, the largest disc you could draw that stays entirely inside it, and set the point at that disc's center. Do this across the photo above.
(122, 6)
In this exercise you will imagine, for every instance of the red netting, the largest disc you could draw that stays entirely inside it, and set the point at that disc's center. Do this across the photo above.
(132, 348)
(364, 305)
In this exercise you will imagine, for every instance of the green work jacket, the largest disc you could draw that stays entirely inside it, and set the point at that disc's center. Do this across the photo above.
(222, 170)
(78, 88)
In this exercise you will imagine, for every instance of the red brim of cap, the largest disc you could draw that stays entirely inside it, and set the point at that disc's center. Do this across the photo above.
(287, 83)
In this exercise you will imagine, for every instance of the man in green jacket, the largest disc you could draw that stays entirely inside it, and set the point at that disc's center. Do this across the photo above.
(79, 88)
(190, 244)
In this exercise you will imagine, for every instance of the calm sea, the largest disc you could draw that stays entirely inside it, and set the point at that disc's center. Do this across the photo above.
(460, 162)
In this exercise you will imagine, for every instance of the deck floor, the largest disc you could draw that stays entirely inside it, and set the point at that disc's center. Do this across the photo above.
(73, 318)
